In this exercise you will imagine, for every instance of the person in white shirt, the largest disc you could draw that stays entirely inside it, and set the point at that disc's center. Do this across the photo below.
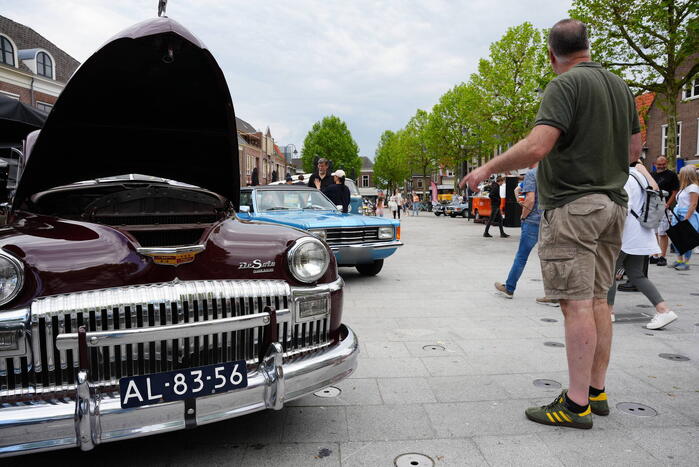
(636, 243)
(686, 208)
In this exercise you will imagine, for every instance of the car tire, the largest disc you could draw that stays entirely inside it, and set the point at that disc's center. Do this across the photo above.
(452, 215)
(370, 269)
(463, 214)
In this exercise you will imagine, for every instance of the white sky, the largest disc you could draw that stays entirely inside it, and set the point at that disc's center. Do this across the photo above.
(289, 63)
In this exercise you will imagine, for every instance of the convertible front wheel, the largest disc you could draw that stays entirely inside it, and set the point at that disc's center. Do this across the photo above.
(370, 269)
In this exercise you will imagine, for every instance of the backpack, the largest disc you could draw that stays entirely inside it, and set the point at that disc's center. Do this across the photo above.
(653, 207)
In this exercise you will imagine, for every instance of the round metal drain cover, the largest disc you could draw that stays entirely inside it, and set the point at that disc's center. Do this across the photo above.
(674, 357)
(643, 306)
(433, 347)
(330, 391)
(549, 320)
(547, 384)
(554, 344)
(634, 408)
(413, 459)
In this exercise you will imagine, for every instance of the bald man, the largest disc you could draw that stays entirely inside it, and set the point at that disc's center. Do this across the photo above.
(668, 181)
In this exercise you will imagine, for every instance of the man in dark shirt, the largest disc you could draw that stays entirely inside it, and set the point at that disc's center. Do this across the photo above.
(495, 213)
(321, 179)
(338, 192)
(667, 181)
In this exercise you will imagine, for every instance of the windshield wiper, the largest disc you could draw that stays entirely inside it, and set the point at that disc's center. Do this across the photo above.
(277, 208)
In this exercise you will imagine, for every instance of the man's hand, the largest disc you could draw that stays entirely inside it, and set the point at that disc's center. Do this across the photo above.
(475, 178)
(317, 183)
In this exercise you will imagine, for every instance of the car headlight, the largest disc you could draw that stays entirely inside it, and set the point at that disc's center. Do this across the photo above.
(11, 277)
(319, 233)
(385, 233)
(308, 259)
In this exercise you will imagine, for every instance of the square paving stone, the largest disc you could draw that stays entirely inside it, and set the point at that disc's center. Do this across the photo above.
(292, 454)
(454, 365)
(386, 349)
(315, 424)
(516, 450)
(670, 446)
(389, 422)
(405, 390)
(466, 388)
(390, 368)
(355, 391)
(444, 452)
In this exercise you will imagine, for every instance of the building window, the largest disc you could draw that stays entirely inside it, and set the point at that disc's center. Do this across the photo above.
(43, 106)
(419, 183)
(7, 52)
(44, 65)
(365, 181)
(691, 90)
(679, 139)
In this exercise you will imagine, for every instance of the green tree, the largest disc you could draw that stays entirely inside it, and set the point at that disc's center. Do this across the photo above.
(420, 155)
(509, 81)
(646, 41)
(330, 138)
(390, 164)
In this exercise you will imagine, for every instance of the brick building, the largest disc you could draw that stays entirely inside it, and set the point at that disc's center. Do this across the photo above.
(687, 120)
(257, 150)
(32, 68)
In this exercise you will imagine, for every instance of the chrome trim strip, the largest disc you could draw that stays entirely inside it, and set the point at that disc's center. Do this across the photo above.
(170, 250)
(169, 332)
(374, 245)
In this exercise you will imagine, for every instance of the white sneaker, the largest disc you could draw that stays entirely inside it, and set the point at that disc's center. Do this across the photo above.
(660, 320)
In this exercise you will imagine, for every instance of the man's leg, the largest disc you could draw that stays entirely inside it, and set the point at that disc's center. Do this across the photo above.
(490, 218)
(581, 344)
(529, 237)
(603, 324)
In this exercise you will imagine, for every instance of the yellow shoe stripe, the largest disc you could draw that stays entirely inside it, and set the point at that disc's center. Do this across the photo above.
(601, 397)
(550, 417)
(587, 412)
(567, 419)
(557, 417)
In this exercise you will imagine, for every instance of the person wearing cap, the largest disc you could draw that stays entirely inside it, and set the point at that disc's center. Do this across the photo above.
(337, 191)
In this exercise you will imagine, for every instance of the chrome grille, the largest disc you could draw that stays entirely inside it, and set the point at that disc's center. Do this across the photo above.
(349, 236)
(53, 372)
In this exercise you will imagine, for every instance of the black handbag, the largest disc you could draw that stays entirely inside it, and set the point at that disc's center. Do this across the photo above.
(682, 235)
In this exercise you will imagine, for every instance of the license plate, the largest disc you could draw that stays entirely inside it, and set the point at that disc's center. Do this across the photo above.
(176, 385)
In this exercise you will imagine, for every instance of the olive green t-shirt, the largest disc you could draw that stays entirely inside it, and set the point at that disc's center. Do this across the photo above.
(596, 113)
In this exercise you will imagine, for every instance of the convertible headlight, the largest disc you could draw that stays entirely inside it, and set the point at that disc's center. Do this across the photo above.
(319, 233)
(385, 233)
(308, 259)
(11, 277)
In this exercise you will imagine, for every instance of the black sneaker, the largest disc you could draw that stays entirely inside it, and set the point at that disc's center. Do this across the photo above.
(487, 235)
(627, 287)
(653, 260)
(661, 261)
(504, 236)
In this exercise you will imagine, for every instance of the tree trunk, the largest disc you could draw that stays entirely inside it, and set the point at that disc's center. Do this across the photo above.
(424, 183)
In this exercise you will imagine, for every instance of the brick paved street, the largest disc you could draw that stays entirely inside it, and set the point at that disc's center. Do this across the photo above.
(447, 369)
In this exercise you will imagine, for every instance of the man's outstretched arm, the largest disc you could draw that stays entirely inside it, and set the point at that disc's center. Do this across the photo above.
(534, 147)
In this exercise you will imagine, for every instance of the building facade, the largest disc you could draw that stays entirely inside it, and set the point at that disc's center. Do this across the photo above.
(687, 120)
(33, 70)
(258, 153)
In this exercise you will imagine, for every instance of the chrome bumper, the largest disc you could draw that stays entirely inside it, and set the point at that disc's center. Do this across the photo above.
(93, 418)
(364, 252)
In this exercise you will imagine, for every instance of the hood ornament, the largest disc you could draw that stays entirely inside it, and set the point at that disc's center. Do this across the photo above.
(162, 5)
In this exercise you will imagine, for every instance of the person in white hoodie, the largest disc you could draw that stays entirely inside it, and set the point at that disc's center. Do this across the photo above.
(636, 243)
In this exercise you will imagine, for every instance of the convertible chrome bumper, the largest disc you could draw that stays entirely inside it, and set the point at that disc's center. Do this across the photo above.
(94, 418)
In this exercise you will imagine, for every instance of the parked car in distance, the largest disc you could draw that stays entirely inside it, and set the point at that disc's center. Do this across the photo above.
(454, 209)
(357, 241)
(439, 209)
(356, 200)
(133, 305)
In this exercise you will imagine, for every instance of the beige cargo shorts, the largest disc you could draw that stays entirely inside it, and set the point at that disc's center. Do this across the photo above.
(578, 247)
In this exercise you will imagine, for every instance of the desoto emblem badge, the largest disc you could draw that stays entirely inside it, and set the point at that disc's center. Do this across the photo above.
(172, 256)
(257, 266)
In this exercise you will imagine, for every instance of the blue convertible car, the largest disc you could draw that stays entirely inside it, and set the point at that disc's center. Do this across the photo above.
(358, 241)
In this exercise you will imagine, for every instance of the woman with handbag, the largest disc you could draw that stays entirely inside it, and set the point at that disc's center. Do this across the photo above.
(637, 242)
(686, 208)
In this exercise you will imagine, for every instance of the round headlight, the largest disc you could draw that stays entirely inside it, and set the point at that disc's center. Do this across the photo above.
(11, 277)
(308, 259)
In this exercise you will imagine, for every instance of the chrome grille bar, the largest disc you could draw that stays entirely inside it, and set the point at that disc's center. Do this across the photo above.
(51, 370)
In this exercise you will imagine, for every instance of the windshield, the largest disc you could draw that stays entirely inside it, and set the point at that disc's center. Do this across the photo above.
(286, 200)
(354, 191)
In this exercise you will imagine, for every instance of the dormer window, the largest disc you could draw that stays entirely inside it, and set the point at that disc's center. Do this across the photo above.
(44, 65)
(7, 52)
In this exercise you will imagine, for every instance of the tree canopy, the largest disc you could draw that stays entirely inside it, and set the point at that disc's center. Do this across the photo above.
(330, 138)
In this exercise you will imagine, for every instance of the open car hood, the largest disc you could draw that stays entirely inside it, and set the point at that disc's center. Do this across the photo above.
(151, 101)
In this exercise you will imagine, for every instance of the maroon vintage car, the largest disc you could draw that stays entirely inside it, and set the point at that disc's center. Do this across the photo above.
(136, 304)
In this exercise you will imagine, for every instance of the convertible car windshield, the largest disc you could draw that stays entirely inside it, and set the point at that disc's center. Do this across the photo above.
(287, 200)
